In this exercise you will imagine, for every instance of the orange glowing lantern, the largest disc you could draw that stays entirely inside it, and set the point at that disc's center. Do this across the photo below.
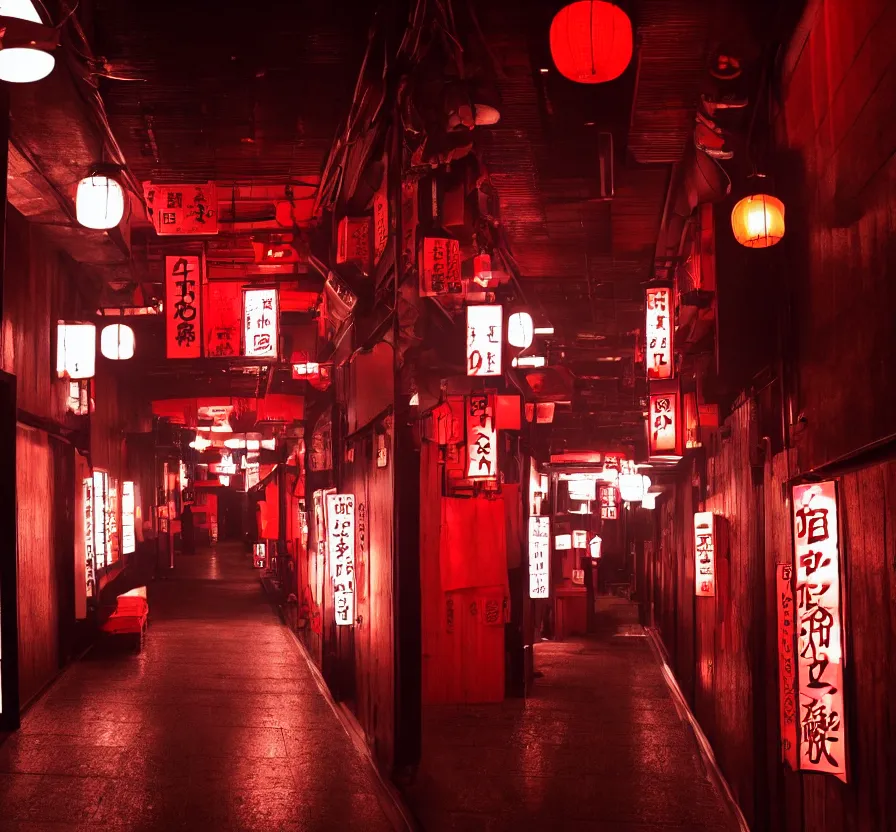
(591, 41)
(758, 221)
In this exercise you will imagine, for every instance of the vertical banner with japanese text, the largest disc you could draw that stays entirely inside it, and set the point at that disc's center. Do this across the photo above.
(341, 547)
(659, 329)
(484, 339)
(261, 323)
(221, 318)
(822, 715)
(182, 307)
(786, 665)
(440, 267)
(664, 425)
(705, 553)
(539, 556)
(482, 437)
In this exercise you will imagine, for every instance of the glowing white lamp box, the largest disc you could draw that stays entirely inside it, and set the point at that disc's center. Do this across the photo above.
(822, 710)
(484, 339)
(261, 323)
(562, 542)
(582, 487)
(259, 555)
(75, 350)
(128, 512)
(659, 333)
(705, 553)
(100, 521)
(341, 546)
(594, 547)
(482, 438)
(539, 556)
(579, 539)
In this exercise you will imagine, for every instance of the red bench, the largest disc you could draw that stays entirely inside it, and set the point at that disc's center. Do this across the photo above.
(130, 616)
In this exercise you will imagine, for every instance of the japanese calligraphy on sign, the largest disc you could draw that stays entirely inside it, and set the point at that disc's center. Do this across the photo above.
(705, 553)
(182, 209)
(89, 519)
(663, 426)
(484, 339)
(341, 546)
(822, 729)
(539, 556)
(128, 518)
(261, 323)
(659, 333)
(608, 504)
(221, 318)
(182, 306)
(482, 437)
(440, 267)
(100, 522)
(787, 664)
(259, 555)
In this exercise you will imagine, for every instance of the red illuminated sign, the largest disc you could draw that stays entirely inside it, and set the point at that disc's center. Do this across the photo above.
(440, 267)
(482, 437)
(182, 307)
(341, 547)
(705, 553)
(664, 425)
(787, 665)
(659, 328)
(609, 507)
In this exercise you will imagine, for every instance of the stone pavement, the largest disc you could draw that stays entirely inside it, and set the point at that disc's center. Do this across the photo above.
(217, 725)
(598, 746)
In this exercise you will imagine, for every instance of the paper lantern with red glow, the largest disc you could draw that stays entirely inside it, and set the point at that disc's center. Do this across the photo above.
(99, 202)
(591, 41)
(117, 342)
(520, 330)
(758, 221)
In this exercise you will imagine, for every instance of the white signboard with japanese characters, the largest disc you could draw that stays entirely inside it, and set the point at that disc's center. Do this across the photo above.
(260, 323)
(705, 553)
(89, 520)
(482, 437)
(341, 548)
(822, 714)
(182, 209)
(539, 556)
(659, 333)
(128, 511)
(484, 339)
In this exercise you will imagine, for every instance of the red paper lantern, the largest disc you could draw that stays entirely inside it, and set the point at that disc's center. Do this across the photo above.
(591, 41)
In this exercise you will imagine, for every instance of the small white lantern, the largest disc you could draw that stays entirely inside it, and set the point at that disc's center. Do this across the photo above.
(28, 63)
(633, 487)
(75, 350)
(117, 342)
(520, 330)
(100, 201)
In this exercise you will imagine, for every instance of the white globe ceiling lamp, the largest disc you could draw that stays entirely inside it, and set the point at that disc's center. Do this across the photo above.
(520, 330)
(117, 342)
(26, 55)
(99, 202)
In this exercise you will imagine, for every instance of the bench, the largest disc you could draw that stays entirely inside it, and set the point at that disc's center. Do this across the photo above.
(130, 616)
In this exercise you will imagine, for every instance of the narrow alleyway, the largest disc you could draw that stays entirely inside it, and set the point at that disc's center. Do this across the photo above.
(218, 724)
(598, 746)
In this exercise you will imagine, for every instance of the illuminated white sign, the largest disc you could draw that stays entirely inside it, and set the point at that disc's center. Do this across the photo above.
(562, 542)
(100, 523)
(341, 546)
(482, 438)
(484, 339)
(259, 555)
(822, 711)
(663, 425)
(659, 333)
(128, 509)
(579, 539)
(260, 323)
(89, 520)
(75, 350)
(705, 553)
(581, 486)
(539, 556)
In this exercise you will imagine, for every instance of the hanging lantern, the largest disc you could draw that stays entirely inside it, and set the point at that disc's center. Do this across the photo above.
(27, 41)
(758, 221)
(117, 342)
(591, 41)
(100, 199)
(520, 330)
(75, 350)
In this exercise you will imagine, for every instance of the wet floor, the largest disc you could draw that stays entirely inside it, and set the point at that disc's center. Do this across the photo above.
(598, 746)
(217, 725)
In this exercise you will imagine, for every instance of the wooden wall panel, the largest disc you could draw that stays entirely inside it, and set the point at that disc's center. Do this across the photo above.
(37, 578)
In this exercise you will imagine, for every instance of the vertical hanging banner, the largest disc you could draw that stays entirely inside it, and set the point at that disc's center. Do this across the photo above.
(705, 553)
(261, 323)
(100, 522)
(786, 665)
(89, 520)
(484, 339)
(609, 509)
(221, 318)
(259, 555)
(659, 333)
(664, 426)
(128, 526)
(440, 267)
(539, 556)
(409, 218)
(482, 437)
(182, 209)
(381, 216)
(822, 715)
(182, 307)
(341, 545)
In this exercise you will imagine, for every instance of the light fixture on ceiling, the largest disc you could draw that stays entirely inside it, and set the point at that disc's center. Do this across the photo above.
(27, 43)
(529, 361)
(99, 202)
(519, 330)
(117, 342)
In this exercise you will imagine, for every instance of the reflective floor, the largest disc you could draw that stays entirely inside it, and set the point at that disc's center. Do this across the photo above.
(598, 746)
(217, 725)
